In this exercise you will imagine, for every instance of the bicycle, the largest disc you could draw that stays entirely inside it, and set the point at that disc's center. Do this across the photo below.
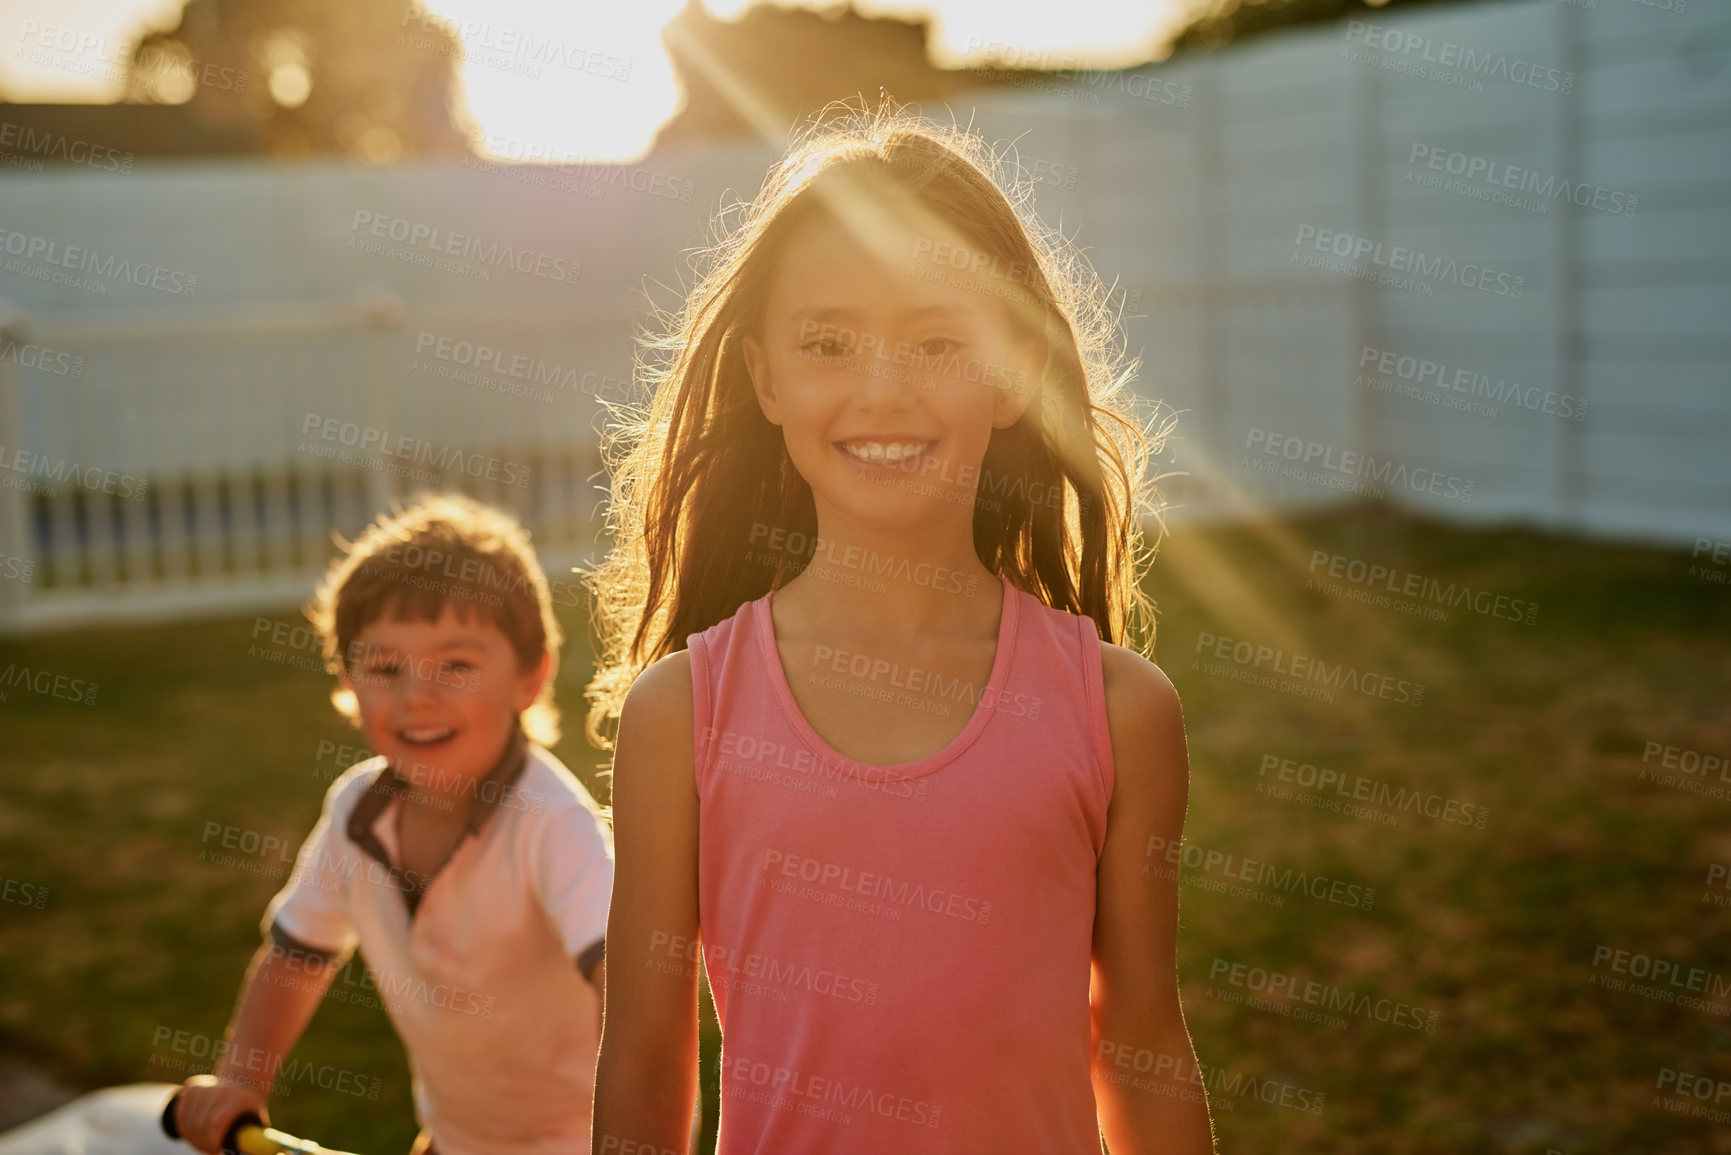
(248, 1135)
(139, 1120)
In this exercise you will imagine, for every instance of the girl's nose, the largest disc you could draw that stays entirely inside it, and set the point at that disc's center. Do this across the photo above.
(882, 382)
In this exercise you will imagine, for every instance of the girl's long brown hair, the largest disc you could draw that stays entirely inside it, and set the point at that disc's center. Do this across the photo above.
(700, 466)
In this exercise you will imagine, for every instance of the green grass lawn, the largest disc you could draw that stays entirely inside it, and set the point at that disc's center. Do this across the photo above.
(1486, 935)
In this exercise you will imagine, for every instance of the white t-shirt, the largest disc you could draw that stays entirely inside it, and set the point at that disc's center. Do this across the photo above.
(482, 980)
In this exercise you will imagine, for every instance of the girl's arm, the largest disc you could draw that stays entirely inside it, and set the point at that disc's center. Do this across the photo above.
(646, 1073)
(1147, 1089)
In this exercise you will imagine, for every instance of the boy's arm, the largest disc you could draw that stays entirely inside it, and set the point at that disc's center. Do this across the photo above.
(281, 991)
(286, 978)
(1146, 1088)
(646, 1073)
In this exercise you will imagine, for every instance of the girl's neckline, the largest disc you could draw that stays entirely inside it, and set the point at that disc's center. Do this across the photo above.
(984, 708)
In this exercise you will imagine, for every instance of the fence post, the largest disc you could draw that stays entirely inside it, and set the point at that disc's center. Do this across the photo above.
(1212, 275)
(378, 311)
(1364, 106)
(17, 555)
(1565, 314)
(1365, 193)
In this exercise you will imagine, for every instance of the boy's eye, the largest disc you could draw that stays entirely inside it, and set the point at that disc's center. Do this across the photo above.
(937, 346)
(459, 666)
(384, 669)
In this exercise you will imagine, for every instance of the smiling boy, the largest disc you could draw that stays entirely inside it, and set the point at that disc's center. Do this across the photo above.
(467, 864)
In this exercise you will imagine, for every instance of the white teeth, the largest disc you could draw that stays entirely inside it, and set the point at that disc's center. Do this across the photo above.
(878, 451)
(427, 735)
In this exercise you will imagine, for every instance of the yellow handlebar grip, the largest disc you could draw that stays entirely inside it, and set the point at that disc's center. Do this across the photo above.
(269, 1141)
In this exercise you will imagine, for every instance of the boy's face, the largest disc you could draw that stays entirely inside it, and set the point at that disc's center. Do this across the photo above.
(439, 699)
(870, 336)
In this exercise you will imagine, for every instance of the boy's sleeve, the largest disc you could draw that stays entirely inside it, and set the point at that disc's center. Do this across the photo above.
(310, 914)
(573, 878)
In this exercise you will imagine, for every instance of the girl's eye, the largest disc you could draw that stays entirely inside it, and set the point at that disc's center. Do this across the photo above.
(824, 347)
(937, 346)
(459, 666)
(384, 669)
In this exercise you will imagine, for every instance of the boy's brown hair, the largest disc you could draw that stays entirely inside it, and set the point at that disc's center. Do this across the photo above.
(442, 550)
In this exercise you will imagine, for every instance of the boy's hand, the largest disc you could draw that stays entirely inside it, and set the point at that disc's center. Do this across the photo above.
(209, 1106)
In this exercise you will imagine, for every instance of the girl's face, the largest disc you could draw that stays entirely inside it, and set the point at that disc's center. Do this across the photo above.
(439, 698)
(887, 367)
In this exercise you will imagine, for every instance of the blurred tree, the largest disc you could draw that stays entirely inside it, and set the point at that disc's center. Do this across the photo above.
(1216, 23)
(767, 69)
(375, 80)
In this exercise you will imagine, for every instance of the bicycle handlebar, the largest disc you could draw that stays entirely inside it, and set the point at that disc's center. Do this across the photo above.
(248, 1135)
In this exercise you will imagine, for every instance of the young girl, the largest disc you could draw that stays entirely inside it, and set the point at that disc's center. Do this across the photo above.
(874, 756)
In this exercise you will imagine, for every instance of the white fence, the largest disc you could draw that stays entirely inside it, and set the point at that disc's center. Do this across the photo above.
(1611, 202)
(201, 467)
(1548, 273)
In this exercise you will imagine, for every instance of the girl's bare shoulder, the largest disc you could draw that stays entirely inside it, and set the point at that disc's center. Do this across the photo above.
(1134, 679)
(661, 693)
(655, 724)
(1143, 713)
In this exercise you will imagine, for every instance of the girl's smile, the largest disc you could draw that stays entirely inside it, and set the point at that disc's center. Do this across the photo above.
(888, 455)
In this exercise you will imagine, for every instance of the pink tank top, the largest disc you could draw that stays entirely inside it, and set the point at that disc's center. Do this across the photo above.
(900, 956)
